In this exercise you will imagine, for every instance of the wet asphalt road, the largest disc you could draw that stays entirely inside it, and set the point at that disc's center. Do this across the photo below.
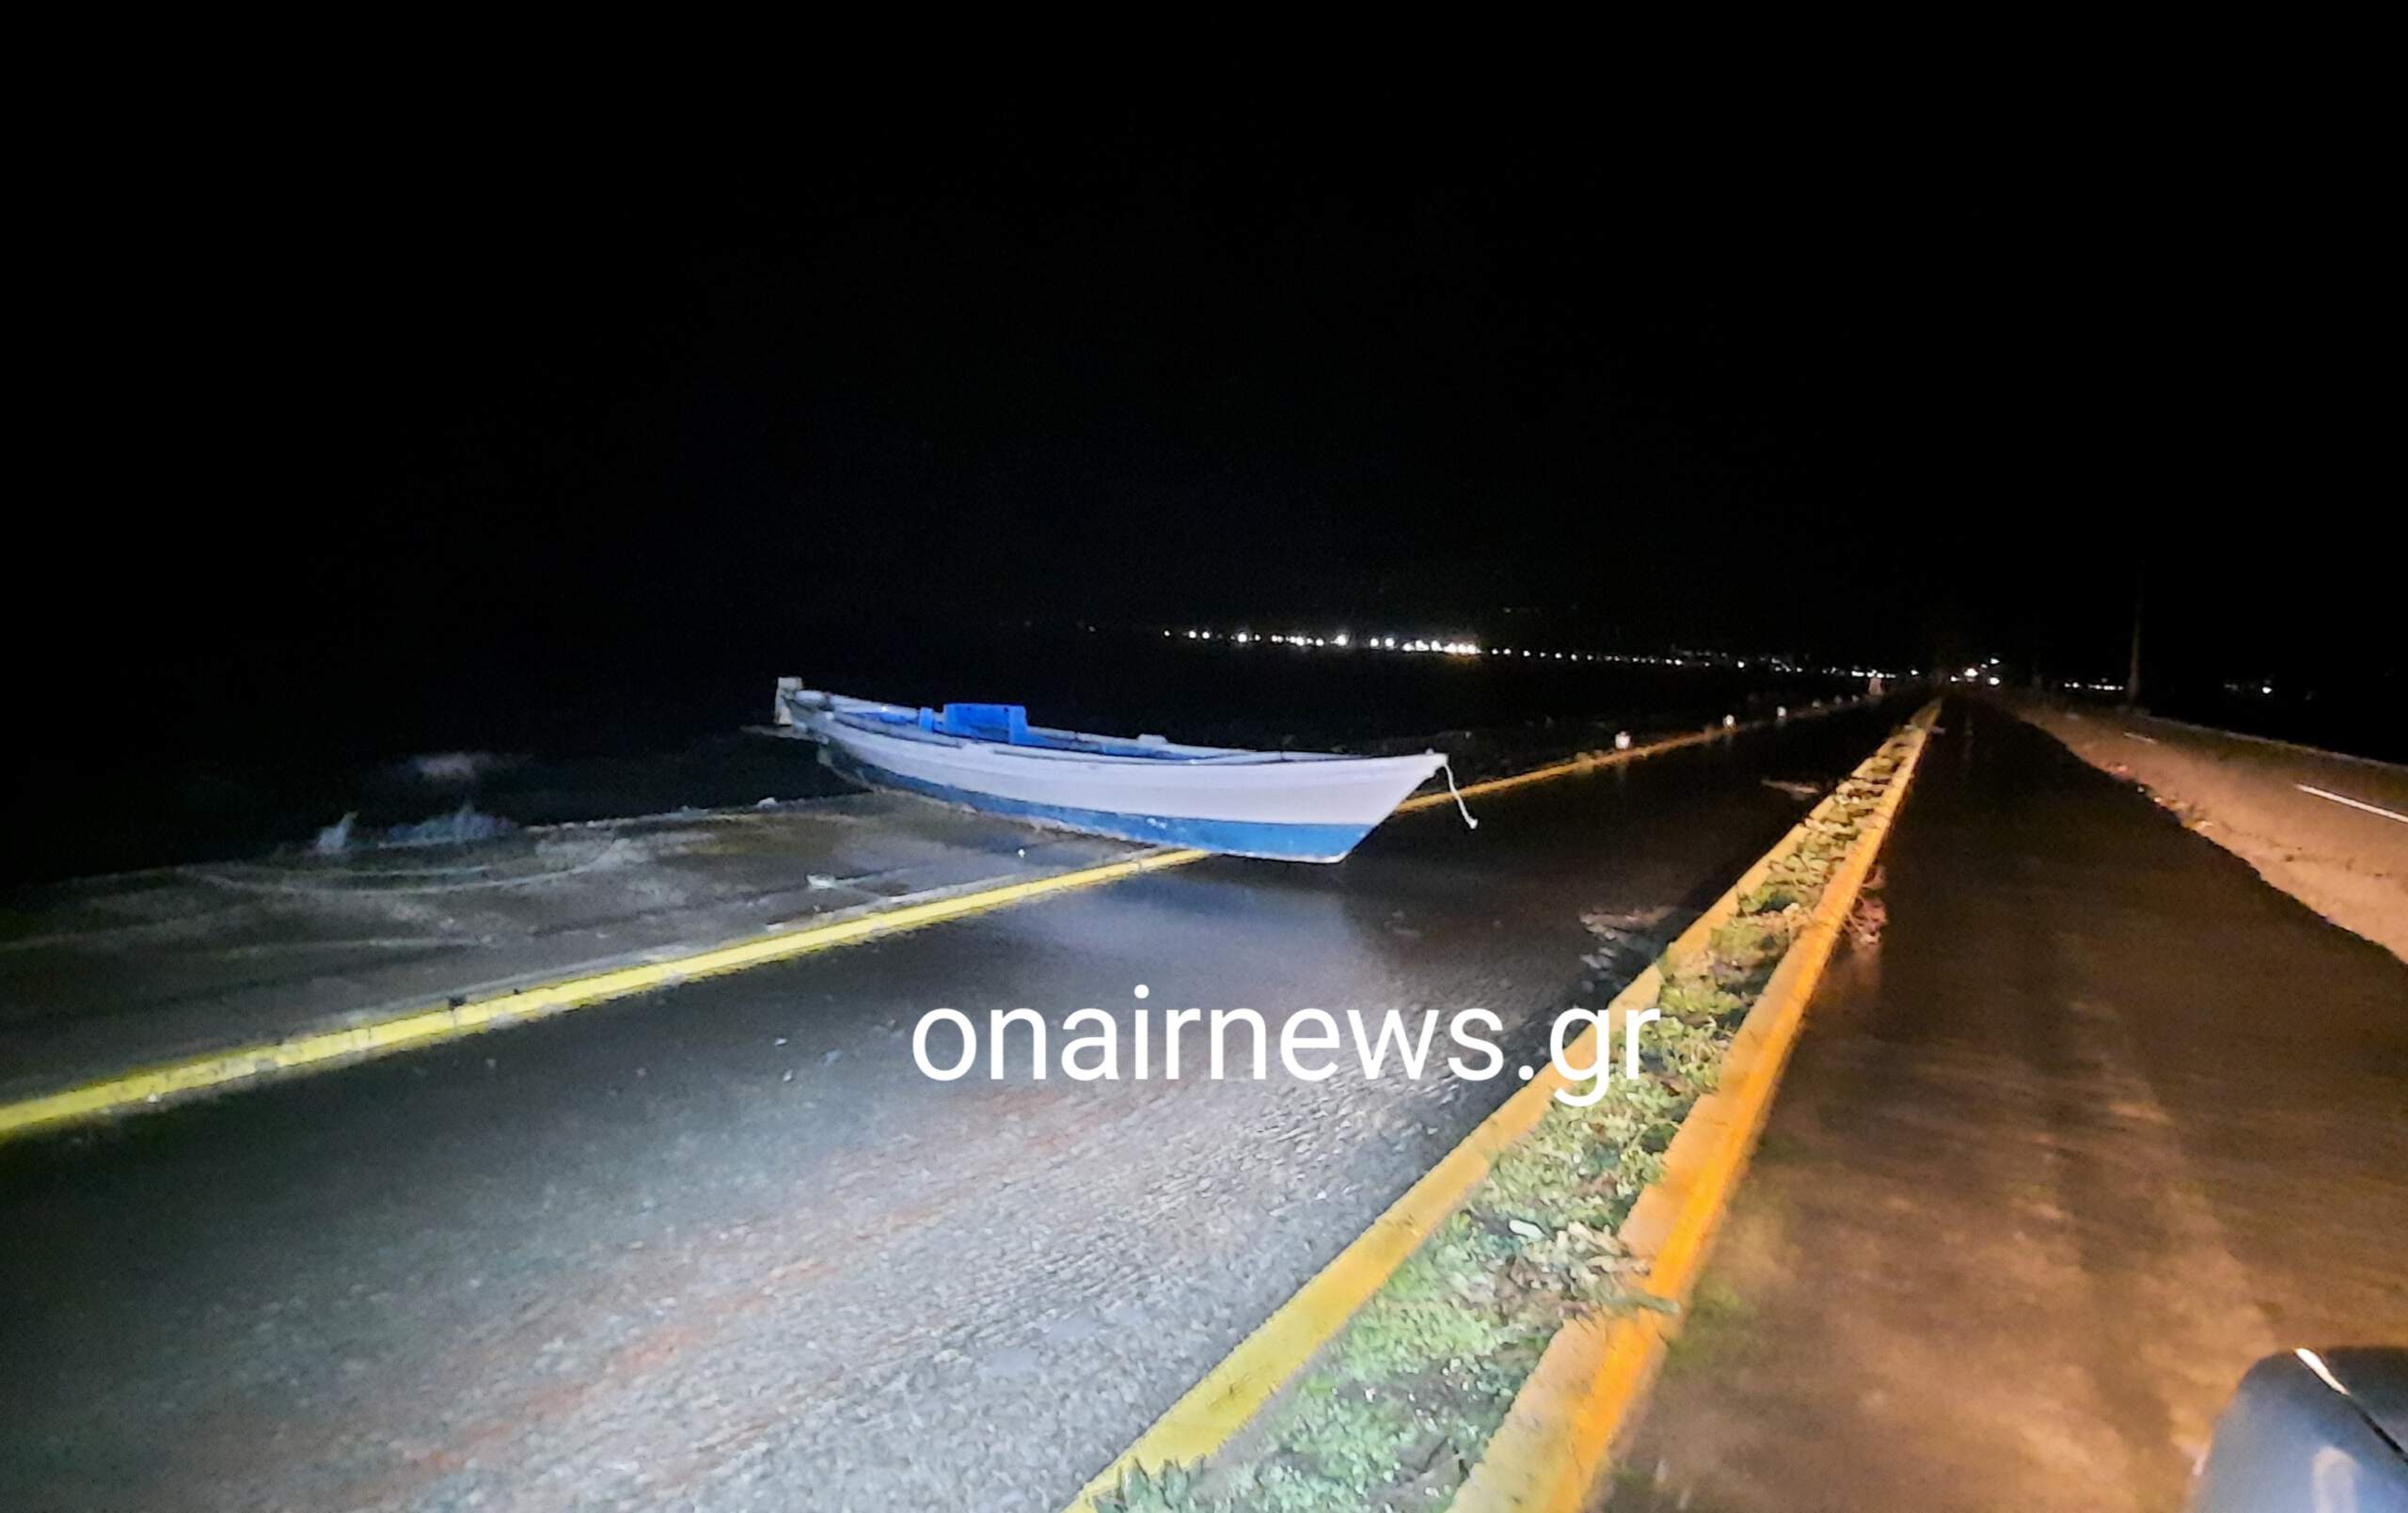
(2101, 1120)
(725, 1247)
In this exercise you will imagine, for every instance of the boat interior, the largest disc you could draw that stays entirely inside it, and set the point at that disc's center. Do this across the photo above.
(1008, 725)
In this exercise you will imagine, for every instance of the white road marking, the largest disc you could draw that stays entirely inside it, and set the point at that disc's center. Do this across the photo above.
(2138, 736)
(2354, 803)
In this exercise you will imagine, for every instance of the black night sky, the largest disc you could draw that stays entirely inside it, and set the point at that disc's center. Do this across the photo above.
(490, 428)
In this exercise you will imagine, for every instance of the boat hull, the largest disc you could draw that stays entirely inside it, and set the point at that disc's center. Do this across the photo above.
(1272, 840)
(1284, 806)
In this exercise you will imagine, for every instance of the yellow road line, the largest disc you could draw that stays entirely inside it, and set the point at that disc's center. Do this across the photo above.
(1610, 759)
(1555, 1442)
(1233, 1392)
(423, 1026)
(416, 1028)
(1566, 769)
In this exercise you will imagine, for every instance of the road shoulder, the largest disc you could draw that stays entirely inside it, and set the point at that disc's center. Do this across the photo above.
(2305, 819)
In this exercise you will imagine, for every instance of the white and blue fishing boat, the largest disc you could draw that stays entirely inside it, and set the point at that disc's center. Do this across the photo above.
(1291, 806)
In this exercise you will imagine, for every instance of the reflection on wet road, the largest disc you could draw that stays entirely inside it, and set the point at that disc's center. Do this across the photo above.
(726, 1247)
(2103, 1119)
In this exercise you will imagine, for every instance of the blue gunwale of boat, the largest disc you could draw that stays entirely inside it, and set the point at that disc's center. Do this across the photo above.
(1241, 837)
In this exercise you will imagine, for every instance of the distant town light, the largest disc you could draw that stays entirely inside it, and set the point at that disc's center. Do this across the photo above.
(1345, 639)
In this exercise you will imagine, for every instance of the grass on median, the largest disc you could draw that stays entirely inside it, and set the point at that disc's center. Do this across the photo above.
(1395, 1411)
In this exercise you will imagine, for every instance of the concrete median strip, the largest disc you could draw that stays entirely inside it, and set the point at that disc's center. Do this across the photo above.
(1552, 1444)
(1553, 1447)
(153, 1086)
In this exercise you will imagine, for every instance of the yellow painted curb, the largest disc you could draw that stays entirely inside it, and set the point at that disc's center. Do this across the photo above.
(1554, 1446)
(415, 1027)
(1233, 1392)
(1215, 1409)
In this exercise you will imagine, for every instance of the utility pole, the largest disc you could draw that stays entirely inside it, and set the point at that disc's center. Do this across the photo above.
(2132, 676)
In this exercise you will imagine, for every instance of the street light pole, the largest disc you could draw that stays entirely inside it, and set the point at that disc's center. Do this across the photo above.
(2132, 675)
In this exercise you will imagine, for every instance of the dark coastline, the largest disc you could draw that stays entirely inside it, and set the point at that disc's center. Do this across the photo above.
(217, 777)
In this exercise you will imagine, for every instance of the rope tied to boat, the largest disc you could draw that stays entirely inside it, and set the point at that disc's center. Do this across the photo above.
(1448, 768)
